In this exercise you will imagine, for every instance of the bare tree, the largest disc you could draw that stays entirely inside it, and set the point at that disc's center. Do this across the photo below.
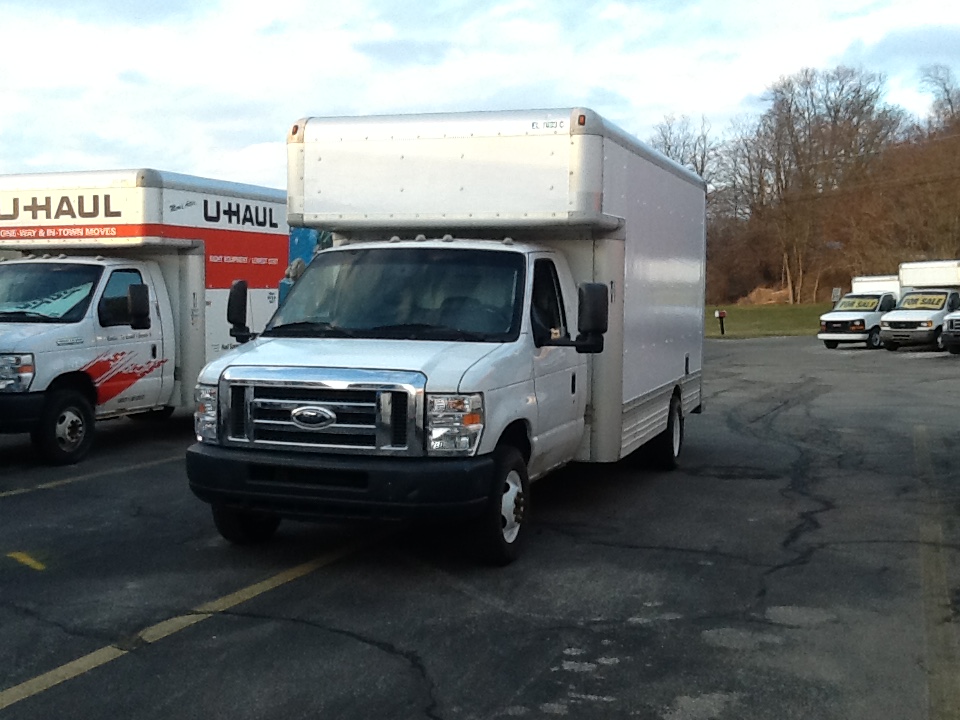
(939, 80)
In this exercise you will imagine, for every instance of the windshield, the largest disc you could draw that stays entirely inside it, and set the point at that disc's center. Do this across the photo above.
(923, 301)
(46, 292)
(406, 293)
(867, 303)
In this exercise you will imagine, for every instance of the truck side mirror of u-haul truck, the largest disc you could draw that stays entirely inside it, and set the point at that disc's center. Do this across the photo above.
(138, 306)
(237, 312)
(592, 317)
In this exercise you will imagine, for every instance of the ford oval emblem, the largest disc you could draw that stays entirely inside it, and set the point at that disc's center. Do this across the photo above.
(311, 417)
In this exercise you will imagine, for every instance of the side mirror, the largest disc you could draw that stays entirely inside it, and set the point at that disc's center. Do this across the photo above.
(237, 312)
(593, 316)
(138, 306)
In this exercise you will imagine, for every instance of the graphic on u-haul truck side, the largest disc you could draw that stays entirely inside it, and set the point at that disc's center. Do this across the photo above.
(142, 261)
(113, 373)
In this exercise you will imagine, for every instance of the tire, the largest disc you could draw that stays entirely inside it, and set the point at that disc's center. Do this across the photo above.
(64, 435)
(831, 344)
(938, 341)
(242, 527)
(954, 349)
(890, 346)
(873, 339)
(500, 529)
(665, 447)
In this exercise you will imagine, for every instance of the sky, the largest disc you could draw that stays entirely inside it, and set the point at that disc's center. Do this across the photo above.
(210, 88)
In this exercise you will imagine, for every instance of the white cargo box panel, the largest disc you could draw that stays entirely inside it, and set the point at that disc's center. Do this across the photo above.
(875, 284)
(459, 170)
(930, 274)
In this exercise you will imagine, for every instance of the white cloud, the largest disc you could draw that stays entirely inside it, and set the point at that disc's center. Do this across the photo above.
(210, 88)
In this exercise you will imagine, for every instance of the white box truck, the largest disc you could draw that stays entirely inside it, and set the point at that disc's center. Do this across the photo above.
(856, 317)
(929, 291)
(454, 344)
(114, 298)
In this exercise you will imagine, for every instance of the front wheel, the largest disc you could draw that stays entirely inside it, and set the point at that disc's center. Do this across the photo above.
(831, 344)
(954, 349)
(873, 339)
(890, 346)
(65, 432)
(499, 529)
(242, 527)
(666, 446)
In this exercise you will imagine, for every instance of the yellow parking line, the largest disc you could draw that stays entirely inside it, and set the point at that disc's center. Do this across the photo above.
(24, 559)
(89, 476)
(943, 661)
(165, 628)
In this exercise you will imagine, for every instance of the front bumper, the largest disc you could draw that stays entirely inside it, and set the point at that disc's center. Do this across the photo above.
(927, 336)
(847, 337)
(20, 412)
(303, 486)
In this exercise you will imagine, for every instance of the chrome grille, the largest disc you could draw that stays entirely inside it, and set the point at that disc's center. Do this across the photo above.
(904, 325)
(954, 324)
(315, 409)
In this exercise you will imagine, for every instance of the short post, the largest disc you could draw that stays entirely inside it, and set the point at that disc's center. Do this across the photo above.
(720, 315)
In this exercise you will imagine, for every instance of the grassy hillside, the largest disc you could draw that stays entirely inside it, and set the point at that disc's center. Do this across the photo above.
(766, 320)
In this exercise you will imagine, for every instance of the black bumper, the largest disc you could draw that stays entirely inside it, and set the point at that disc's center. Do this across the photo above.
(20, 412)
(297, 485)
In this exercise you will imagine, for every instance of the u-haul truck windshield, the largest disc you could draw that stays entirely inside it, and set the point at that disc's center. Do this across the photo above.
(923, 301)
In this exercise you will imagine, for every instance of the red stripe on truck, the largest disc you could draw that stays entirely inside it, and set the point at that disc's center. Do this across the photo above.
(259, 258)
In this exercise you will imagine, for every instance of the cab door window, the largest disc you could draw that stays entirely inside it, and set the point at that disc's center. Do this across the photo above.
(546, 307)
(113, 309)
(887, 304)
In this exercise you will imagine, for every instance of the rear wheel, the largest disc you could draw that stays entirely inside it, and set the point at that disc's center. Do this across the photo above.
(831, 344)
(499, 531)
(65, 432)
(873, 339)
(242, 527)
(665, 447)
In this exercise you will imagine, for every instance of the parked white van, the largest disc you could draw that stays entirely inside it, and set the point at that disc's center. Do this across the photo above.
(856, 317)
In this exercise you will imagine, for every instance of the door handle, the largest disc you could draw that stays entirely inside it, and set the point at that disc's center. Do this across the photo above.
(573, 384)
(153, 351)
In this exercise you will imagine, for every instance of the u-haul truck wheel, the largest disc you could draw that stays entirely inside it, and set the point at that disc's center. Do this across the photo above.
(65, 433)
(500, 530)
(665, 447)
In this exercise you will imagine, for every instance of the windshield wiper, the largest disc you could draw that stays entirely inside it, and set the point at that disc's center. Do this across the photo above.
(425, 331)
(25, 315)
(308, 328)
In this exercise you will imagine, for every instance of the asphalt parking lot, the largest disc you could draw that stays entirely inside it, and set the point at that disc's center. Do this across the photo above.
(802, 563)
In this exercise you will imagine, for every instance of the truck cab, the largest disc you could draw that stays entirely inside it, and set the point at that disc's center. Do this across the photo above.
(71, 351)
(856, 319)
(918, 318)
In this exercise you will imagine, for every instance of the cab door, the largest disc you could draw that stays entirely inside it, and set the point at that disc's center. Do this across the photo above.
(126, 371)
(559, 372)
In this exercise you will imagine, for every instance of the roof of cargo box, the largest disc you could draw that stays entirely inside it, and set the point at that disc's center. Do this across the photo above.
(481, 123)
(136, 178)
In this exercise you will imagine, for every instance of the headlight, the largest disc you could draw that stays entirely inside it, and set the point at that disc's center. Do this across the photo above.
(454, 424)
(884, 323)
(926, 323)
(16, 372)
(823, 326)
(857, 325)
(205, 417)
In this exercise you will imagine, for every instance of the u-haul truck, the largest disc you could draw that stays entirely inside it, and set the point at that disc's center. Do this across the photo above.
(507, 292)
(113, 293)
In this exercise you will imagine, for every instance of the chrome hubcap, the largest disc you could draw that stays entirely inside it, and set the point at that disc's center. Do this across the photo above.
(511, 506)
(69, 430)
